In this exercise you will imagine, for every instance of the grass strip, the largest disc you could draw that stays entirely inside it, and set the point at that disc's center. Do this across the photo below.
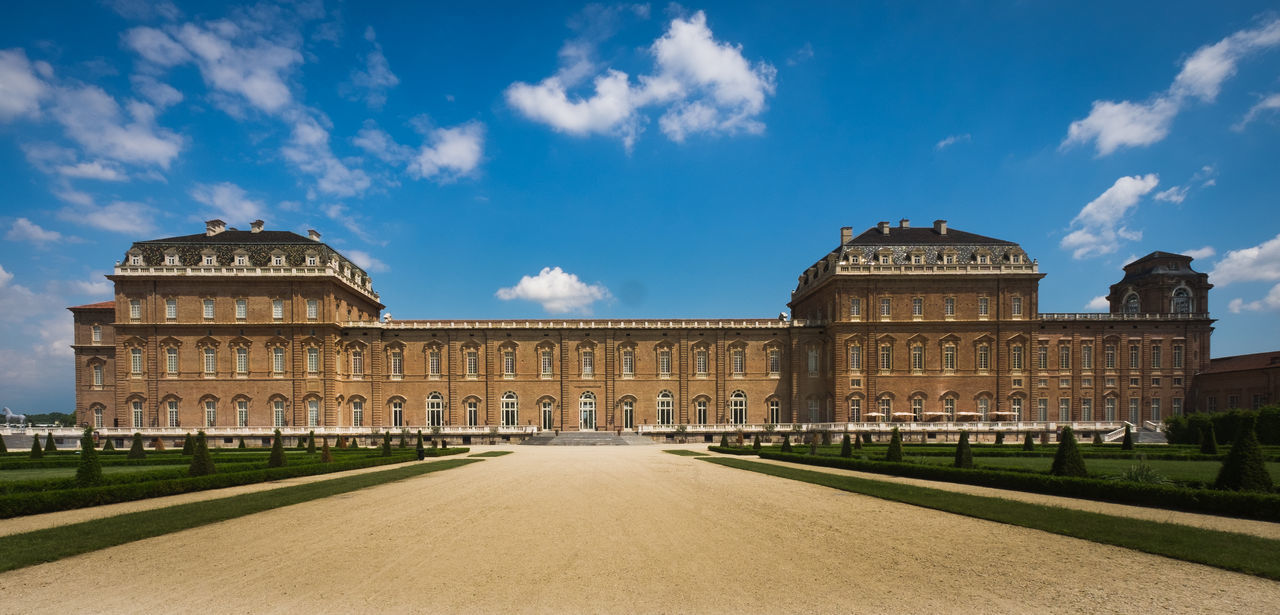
(40, 546)
(491, 454)
(1239, 552)
(685, 453)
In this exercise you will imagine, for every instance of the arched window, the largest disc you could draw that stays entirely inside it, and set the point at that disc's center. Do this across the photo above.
(435, 410)
(1182, 301)
(738, 408)
(97, 416)
(949, 407)
(587, 411)
(277, 413)
(242, 413)
(210, 413)
(665, 408)
(313, 413)
(775, 411)
(1131, 303)
(397, 413)
(700, 410)
(917, 408)
(510, 409)
(855, 409)
(984, 407)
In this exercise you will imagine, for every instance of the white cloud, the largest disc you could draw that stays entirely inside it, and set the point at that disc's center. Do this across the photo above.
(230, 201)
(450, 153)
(376, 77)
(21, 90)
(308, 149)
(1098, 228)
(239, 61)
(18, 303)
(1268, 303)
(1200, 253)
(144, 9)
(98, 169)
(1098, 303)
(1270, 102)
(26, 230)
(705, 86)
(1257, 263)
(557, 291)
(365, 261)
(802, 54)
(1112, 125)
(952, 140)
(118, 217)
(378, 143)
(5, 277)
(1175, 194)
(93, 119)
(161, 94)
(156, 46)
(340, 214)
(96, 286)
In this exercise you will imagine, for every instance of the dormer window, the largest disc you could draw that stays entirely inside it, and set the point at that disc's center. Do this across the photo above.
(242, 260)
(313, 260)
(949, 258)
(135, 259)
(885, 257)
(1131, 303)
(171, 260)
(917, 258)
(209, 260)
(983, 258)
(277, 260)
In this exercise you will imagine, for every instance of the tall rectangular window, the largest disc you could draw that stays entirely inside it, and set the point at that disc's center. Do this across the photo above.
(1086, 409)
(97, 374)
(473, 413)
(949, 306)
(917, 358)
(357, 413)
(1110, 404)
(137, 414)
(917, 306)
(628, 362)
(1135, 356)
(855, 358)
(813, 363)
(357, 363)
(984, 306)
(135, 361)
(1177, 357)
(1017, 306)
(984, 357)
(97, 333)
(242, 361)
(171, 361)
(277, 309)
(210, 361)
(242, 309)
(700, 360)
(313, 413)
(173, 413)
(277, 360)
(313, 309)
(1015, 357)
(1177, 406)
(1086, 356)
(886, 307)
(1015, 406)
(1155, 409)
(135, 309)
(242, 413)
(949, 357)
(313, 360)
(397, 364)
(1064, 408)
(1064, 357)
(1042, 409)
(855, 307)
(739, 361)
(433, 362)
(277, 413)
(397, 413)
(210, 413)
(1157, 357)
(170, 309)
(208, 309)
(546, 362)
(664, 361)
(775, 361)
(473, 362)
(508, 362)
(886, 357)
(1042, 357)
(1134, 412)
(588, 363)
(1109, 356)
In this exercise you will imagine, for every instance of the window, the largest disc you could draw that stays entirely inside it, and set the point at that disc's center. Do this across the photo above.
(1015, 357)
(1110, 408)
(1177, 406)
(984, 306)
(588, 363)
(1042, 409)
(1177, 356)
(277, 309)
(949, 357)
(739, 357)
(813, 362)
(886, 307)
(1064, 408)
(664, 408)
(917, 259)
(313, 309)
(433, 362)
(1133, 382)
(1042, 357)
(435, 410)
(277, 413)
(208, 309)
(700, 408)
(508, 363)
(1135, 356)
(949, 258)
(210, 361)
(813, 411)
(1064, 357)
(984, 259)
(775, 411)
(1155, 409)
(171, 361)
(1086, 356)
(1134, 412)
(135, 309)
(357, 363)
(664, 361)
(984, 357)
(135, 361)
(173, 412)
(277, 260)
(137, 414)
(949, 407)
(473, 413)
(775, 361)
(1157, 357)
(1086, 382)
(1131, 304)
(628, 362)
(1181, 301)
(135, 259)
(1015, 406)
(473, 363)
(170, 309)
(510, 409)
(97, 333)
(855, 308)
(170, 260)
(984, 408)
(1043, 383)
(242, 361)
(209, 260)
(1017, 306)
(628, 414)
(397, 413)
(242, 413)
(1109, 356)
(1212, 403)
(357, 413)
(886, 357)
(97, 374)
(1064, 383)
(855, 358)
(1155, 381)
(242, 309)
(313, 360)
(917, 358)
(700, 360)
(1086, 409)
(738, 408)
(949, 306)
(917, 306)
(1233, 402)
(886, 408)
(917, 409)
(210, 413)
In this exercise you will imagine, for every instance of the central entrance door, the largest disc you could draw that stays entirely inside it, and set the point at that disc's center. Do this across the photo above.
(629, 414)
(547, 415)
(587, 412)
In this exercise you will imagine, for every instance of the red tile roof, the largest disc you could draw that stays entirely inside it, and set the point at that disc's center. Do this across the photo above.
(1244, 362)
(103, 305)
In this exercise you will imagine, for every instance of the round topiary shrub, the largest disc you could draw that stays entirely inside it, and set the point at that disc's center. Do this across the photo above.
(895, 447)
(1068, 461)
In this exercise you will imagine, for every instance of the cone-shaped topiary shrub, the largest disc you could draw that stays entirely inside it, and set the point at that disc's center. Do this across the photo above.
(36, 451)
(724, 440)
(755, 442)
(325, 455)
(786, 443)
(846, 447)
(826, 438)
(857, 441)
(999, 438)
(1068, 461)
(302, 444)
(311, 442)
(49, 446)
(89, 472)
(1127, 444)
(964, 454)
(1208, 440)
(1027, 443)
(276, 458)
(242, 444)
(136, 451)
(1244, 468)
(403, 442)
(3, 448)
(157, 444)
(189, 445)
(895, 447)
(386, 444)
(201, 460)
(107, 446)
(866, 437)
(420, 446)
(1097, 437)
(342, 442)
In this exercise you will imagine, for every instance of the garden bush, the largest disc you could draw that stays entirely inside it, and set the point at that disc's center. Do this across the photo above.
(857, 442)
(49, 446)
(866, 437)
(755, 442)
(90, 471)
(895, 447)
(36, 451)
(1097, 438)
(241, 444)
(188, 445)
(201, 460)
(403, 435)
(420, 447)
(135, 449)
(3, 449)
(311, 442)
(1208, 440)
(1127, 444)
(724, 440)
(1244, 468)
(386, 444)
(732, 450)
(1067, 461)
(846, 447)
(1027, 443)
(826, 438)
(108, 445)
(325, 455)
(786, 443)
(964, 455)
(813, 445)
(276, 459)
(302, 444)
(999, 437)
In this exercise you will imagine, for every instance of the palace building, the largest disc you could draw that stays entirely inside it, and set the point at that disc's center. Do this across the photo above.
(251, 330)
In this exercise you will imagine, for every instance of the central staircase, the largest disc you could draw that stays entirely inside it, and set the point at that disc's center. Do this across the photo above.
(587, 438)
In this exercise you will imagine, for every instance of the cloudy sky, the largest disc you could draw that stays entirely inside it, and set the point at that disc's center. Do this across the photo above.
(643, 160)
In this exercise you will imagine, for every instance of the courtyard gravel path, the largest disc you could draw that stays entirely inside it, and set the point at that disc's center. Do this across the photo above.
(620, 529)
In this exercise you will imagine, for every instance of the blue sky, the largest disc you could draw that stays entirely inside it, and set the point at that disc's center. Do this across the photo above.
(562, 159)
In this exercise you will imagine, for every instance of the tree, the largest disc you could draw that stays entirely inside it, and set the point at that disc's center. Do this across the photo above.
(403, 443)
(755, 442)
(311, 442)
(325, 455)
(1208, 440)
(1068, 461)
(241, 444)
(276, 458)
(188, 445)
(999, 437)
(386, 444)
(36, 451)
(302, 444)
(420, 446)
(342, 442)
(724, 440)
(136, 451)
(964, 454)
(826, 438)
(49, 446)
(895, 447)
(89, 472)
(201, 460)
(1244, 468)
(1028, 444)
(866, 437)
(786, 443)
(1127, 444)
(846, 447)
(107, 446)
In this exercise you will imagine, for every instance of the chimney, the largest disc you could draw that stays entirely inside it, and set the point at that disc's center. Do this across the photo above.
(904, 223)
(213, 227)
(256, 226)
(313, 234)
(940, 227)
(884, 227)
(846, 234)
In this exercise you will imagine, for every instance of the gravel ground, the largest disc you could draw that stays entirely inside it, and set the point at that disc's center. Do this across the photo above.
(622, 529)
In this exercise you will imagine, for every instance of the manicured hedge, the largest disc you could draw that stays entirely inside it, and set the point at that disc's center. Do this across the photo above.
(18, 504)
(732, 450)
(445, 452)
(1264, 506)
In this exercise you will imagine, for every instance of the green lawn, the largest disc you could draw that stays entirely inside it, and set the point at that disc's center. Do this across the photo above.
(686, 453)
(46, 473)
(1183, 471)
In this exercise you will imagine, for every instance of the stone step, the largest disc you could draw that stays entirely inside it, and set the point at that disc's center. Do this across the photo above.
(587, 438)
